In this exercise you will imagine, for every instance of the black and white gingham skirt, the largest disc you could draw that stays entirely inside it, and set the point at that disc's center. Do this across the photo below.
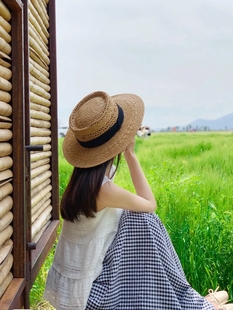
(141, 270)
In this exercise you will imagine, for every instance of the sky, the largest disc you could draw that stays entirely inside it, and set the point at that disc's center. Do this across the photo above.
(176, 55)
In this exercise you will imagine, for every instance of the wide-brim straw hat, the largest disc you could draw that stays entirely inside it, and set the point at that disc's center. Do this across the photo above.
(101, 127)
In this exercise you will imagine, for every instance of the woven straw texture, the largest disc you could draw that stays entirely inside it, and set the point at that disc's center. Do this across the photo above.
(92, 117)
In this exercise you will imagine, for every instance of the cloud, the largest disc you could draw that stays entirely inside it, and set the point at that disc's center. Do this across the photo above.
(178, 58)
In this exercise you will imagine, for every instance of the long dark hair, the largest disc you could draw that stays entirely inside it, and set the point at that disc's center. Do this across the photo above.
(82, 190)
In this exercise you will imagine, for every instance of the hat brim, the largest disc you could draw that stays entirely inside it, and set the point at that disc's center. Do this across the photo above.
(82, 157)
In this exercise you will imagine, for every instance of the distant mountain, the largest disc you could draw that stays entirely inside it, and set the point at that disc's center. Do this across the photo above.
(222, 123)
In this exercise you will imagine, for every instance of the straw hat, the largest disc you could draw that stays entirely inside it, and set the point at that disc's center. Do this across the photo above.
(101, 127)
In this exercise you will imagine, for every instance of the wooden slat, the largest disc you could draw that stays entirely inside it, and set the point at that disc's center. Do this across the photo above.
(6, 220)
(35, 200)
(5, 234)
(5, 109)
(43, 247)
(39, 163)
(5, 250)
(5, 268)
(40, 210)
(12, 296)
(5, 205)
(6, 283)
(5, 134)
(5, 148)
(5, 163)
(4, 11)
(40, 178)
(42, 219)
(39, 205)
(40, 140)
(4, 96)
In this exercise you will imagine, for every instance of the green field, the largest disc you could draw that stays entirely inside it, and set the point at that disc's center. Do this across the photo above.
(191, 175)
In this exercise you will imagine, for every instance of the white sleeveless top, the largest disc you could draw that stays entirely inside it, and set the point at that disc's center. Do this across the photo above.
(78, 258)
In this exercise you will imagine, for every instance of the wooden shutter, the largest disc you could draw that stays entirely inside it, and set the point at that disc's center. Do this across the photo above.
(29, 185)
(40, 118)
(41, 131)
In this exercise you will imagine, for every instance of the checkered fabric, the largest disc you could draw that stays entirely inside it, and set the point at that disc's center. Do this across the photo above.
(141, 270)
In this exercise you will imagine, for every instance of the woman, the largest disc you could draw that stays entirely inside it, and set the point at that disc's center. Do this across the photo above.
(113, 251)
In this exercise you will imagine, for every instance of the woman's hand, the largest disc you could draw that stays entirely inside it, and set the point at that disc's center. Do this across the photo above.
(114, 196)
(129, 149)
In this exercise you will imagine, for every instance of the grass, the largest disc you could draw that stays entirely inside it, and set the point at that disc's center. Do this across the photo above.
(191, 177)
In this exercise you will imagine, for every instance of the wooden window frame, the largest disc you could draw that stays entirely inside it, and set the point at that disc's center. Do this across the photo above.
(28, 259)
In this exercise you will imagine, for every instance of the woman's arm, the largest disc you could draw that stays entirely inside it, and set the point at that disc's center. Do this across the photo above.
(139, 180)
(114, 196)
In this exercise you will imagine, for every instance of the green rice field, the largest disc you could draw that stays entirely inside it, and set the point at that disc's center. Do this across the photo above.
(191, 175)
